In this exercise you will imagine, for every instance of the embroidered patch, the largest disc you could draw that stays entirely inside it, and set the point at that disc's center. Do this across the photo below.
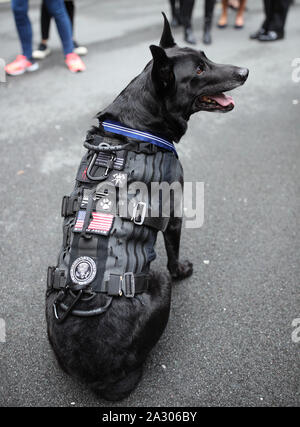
(117, 179)
(101, 223)
(105, 204)
(83, 270)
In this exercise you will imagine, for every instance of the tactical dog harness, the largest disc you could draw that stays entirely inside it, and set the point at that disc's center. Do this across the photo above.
(108, 232)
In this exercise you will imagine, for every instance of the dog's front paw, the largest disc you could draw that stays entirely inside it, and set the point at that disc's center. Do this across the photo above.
(182, 270)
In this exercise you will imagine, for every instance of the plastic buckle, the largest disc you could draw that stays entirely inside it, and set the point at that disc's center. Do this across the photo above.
(128, 287)
(66, 209)
(66, 235)
(50, 277)
(136, 214)
(64, 205)
(59, 279)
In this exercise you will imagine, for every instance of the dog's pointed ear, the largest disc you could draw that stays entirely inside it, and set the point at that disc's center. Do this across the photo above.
(162, 70)
(167, 39)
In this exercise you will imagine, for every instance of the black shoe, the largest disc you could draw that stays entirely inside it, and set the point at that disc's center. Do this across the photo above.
(270, 36)
(254, 36)
(207, 37)
(189, 36)
(207, 34)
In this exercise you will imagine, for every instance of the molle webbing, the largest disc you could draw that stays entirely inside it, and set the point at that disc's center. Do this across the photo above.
(104, 251)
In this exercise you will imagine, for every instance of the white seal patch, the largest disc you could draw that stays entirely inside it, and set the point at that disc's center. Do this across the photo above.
(83, 270)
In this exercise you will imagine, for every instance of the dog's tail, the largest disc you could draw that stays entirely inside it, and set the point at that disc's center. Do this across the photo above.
(120, 389)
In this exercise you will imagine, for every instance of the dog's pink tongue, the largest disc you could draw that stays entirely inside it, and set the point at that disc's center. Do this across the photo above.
(223, 99)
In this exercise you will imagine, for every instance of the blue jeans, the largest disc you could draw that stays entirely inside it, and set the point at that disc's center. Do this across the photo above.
(57, 9)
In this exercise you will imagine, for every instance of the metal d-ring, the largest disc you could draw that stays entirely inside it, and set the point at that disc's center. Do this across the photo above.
(92, 164)
(68, 309)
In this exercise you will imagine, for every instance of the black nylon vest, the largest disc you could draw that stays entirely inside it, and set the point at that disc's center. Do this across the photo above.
(112, 244)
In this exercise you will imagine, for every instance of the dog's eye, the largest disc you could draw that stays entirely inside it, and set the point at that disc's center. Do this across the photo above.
(199, 70)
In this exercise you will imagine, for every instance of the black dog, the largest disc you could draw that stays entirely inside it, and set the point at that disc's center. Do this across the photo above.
(105, 309)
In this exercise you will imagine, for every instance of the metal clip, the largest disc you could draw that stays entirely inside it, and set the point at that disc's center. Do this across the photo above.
(60, 297)
(110, 165)
(136, 214)
(128, 287)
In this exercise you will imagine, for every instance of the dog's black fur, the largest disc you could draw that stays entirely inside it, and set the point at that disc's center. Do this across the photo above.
(108, 351)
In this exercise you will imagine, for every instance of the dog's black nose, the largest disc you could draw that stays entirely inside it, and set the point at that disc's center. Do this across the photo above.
(243, 73)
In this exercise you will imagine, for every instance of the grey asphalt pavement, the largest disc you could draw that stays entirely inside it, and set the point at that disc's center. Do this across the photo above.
(229, 338)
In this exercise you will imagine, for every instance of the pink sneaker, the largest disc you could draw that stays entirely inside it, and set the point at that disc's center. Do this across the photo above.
(74, 63)
(20, 65)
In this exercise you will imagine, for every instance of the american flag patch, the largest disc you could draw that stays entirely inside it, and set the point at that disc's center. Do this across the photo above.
(100, 224)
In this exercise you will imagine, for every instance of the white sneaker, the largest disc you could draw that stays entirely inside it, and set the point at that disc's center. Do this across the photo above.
(80, 50)
(42, 52)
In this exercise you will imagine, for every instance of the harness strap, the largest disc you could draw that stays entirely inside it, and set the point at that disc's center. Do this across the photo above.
(98, 144)
(85, 313)
(87, 217)
(128, 284)
(71, 205)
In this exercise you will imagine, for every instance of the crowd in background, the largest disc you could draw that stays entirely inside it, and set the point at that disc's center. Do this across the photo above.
(63, 12)
(272, 28)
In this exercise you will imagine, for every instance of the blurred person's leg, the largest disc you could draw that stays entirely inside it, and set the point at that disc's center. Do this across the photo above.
(208, 17)
(224, 15)
(239, 21)
(186, 12)
(234, 4)
(268, 12)
(23, 24)
(279, 14)
(43, 51)
(175, 22)
(173, 6)
(70, 6)
(23, 62)
(264, 28)
(57, 9)
(276, 20)
(45, 23)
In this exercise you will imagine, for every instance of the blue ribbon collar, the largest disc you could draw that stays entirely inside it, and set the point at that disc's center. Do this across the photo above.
(119, 129)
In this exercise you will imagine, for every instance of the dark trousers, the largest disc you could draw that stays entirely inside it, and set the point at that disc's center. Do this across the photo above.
(185, 8)
(186, 11)
(209, 9)
(276, 12)
(46, 18)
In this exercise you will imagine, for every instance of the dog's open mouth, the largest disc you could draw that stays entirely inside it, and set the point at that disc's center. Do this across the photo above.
(219, 102)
